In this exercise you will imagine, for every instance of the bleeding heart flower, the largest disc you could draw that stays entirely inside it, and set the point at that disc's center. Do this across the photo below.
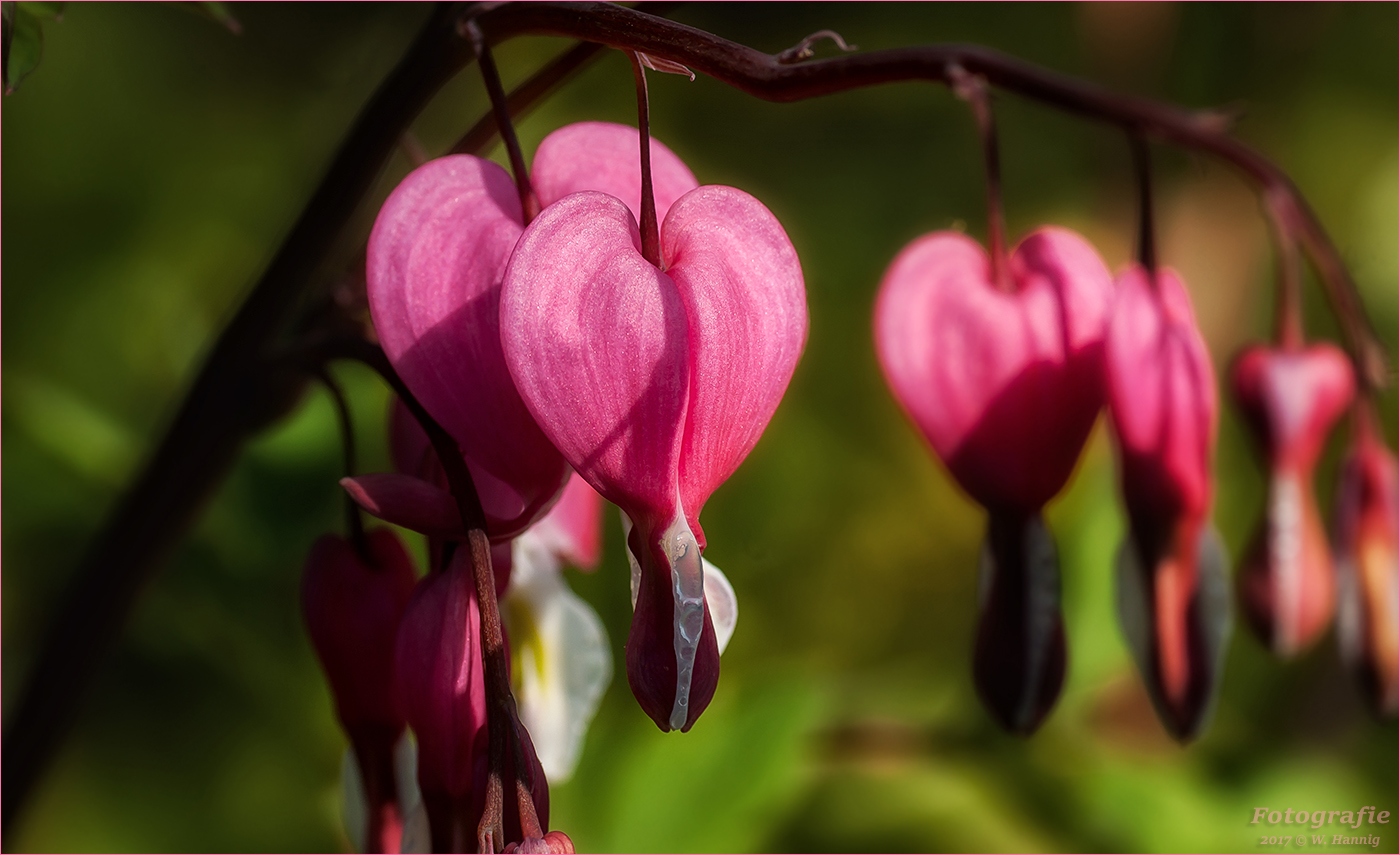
(353, 606)
(1290, 398)
(435, 260)
(1173, 595)
(655, 384)
(562, 661)
(1366, 549)
(1005, 385)
(440, 686)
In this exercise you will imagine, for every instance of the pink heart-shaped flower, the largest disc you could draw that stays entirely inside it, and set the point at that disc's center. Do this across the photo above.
(1173, 594)
(1004, 384)
(655, 385)
(1161, 397)
(1290, 398)
(435, 261)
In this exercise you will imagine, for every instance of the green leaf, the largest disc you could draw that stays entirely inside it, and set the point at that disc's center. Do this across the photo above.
(24, 42)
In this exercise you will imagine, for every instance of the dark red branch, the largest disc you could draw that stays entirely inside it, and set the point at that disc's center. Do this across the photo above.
(770, 78)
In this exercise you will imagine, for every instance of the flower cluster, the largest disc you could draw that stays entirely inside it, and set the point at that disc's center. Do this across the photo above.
(546, 348)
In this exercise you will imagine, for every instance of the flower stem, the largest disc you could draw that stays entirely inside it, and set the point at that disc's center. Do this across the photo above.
(651, 238)
(353, 520)
(1288, 311)
(972, 88)
(1147, 229)
(529, 202)
(502, 720)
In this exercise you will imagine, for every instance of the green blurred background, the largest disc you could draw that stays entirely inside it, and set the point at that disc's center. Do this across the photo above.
(154, 161)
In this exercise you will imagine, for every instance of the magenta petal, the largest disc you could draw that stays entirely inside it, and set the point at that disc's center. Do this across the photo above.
(353, 611)
(746, 309)
(606, 157)
(595, 338)
(435, 261)
(1005, 385)
(1292, 397)
(1161, 395)
(406, 501)
(439, 680)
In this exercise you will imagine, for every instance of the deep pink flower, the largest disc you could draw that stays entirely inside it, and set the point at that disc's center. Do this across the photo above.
(440, 687)
(1290, 399)
(353, 608)
(1173, 593)
(655, 384)
(1367, 550)
(1005, 385)
(435, 261)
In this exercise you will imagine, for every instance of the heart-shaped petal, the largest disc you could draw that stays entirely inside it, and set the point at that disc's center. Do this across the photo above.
(603, 156)
(746, 312)
(655, 385)
(1004, 384)
(1162, 400)
(353, 610)
(439, 679)
(1292, 397)
(596, 339)
(435, 261)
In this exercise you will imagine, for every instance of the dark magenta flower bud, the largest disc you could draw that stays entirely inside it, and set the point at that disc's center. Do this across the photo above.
(1290, 398)
(353, 606)
(1173, 596)
(1365, 543)
(440, 686)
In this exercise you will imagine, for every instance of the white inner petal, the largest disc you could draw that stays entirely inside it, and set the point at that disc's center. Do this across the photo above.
(724, 606)
(565, 661)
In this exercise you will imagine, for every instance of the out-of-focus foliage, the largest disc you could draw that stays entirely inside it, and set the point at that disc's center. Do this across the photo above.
(153, 162)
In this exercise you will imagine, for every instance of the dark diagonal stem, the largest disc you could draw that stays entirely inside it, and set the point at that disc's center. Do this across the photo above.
(651, 239)
(354, 523)
(529, 202)
(973, 89)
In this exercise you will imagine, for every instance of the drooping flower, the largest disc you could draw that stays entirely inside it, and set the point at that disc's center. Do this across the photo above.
(1173, 595)
(435, 261)
(655, 383)
(1290, 398)
(353, 606)
(1367, 546)
(562, 663)
(1005, 385)
(440, 687)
